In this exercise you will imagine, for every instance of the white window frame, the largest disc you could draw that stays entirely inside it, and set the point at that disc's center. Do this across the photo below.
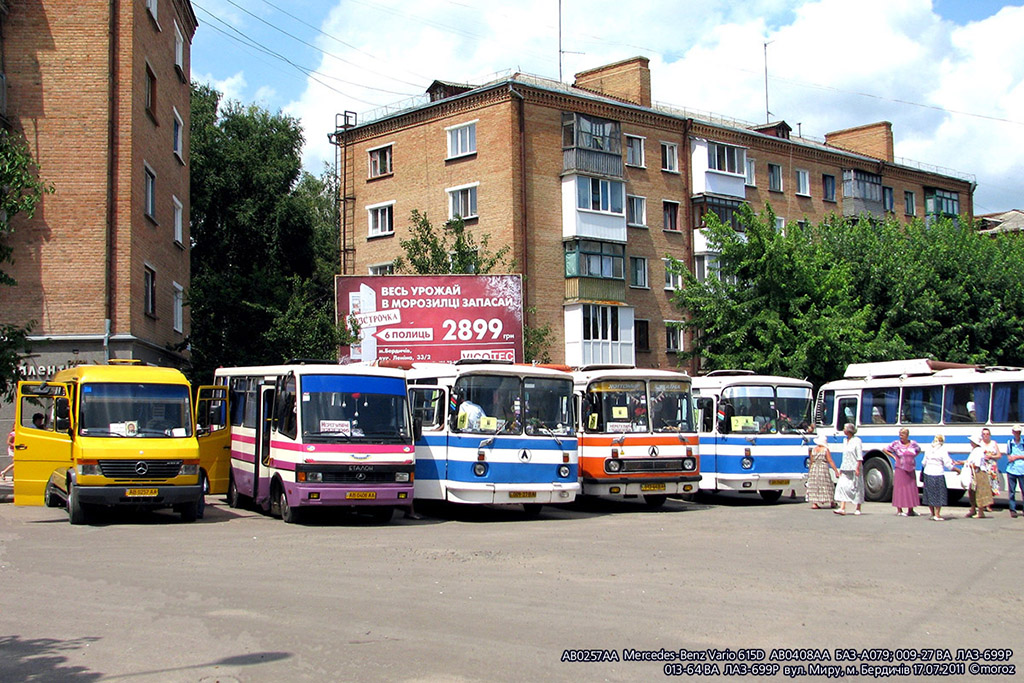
(151, 5)
(803, 182)
(455, 143)
(456, 194)
(178, 306)
(751, 172)
(178, 135)
(781, 186)
(642, 162)
(643, 210)
(730, 151)
(678, 226)
(673, 333)
(669, 162)
(673, 281)
(178, 223)
(373, 213)
(149, 289)
(373, 153)
(179, 49)
(149, 191)
(644, 282)
(616, 186)
(780, 224)
(387, 268)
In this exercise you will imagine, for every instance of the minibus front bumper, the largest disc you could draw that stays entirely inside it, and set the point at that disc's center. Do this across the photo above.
(154, 496)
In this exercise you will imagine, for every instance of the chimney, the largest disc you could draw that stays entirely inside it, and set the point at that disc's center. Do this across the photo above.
(873, 140)
(628, 80)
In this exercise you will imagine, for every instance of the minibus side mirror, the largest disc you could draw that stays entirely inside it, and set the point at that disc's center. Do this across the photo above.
(417, 428)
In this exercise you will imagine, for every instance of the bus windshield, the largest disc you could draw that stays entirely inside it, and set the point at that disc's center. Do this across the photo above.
(135, 410)
(670, 407)
(548, 406)
(768, 409)
(616, 406)
(497, 404)
(350, 408)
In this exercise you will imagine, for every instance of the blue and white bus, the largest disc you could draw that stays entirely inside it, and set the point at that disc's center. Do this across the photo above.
(755, 432)
(927, 397)
(491, 433)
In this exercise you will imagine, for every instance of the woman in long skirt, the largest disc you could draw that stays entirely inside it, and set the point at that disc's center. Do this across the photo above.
(820, 489)
(935, 462)
(850, 487)
(980, 493)
(904, 453)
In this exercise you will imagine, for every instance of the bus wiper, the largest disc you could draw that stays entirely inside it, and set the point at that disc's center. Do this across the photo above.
(547, 432)
(346, 436)
(100, 431)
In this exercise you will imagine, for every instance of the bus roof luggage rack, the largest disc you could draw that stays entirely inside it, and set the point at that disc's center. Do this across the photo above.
(899, 368)
(606, 366)
(726, 373)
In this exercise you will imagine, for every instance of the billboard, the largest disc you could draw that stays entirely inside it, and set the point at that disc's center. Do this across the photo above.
(433, 318)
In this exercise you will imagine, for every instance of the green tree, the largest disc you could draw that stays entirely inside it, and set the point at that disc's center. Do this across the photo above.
(264, 247)
(21, 190)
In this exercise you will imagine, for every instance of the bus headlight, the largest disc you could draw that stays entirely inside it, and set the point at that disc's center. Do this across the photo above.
(689, 464)
(402, 477)
(92, 469)
(309, 477)
(747, 462)
(807, 463)
(563, 471)
(479, 468)
(612, 465)
(189, 469)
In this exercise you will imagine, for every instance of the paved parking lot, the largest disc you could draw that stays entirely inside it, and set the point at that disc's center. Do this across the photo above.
(484, 594)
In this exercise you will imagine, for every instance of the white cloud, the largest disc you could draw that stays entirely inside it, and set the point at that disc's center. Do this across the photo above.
(231, 88)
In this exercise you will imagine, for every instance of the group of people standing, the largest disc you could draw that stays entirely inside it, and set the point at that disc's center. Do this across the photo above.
(979, 473)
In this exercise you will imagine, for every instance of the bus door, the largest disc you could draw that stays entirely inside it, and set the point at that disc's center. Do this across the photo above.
(846, 412)
(707, 445)
(431, 440)
(212, 429)
(261, 461)
(43, 427)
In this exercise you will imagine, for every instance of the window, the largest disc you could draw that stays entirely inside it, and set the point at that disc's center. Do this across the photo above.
(462, 140)
(941, 202)
(150, 92)
(672, 280)
(149, 291)
(636, 211)
(910, 202)
(637, 272)
(803, 182)
(641, 335)
(673, 336)
(179, 304)
(862, 185)
(775, 177)
(179, 237)
(149, 192)
(727, 159)
(705, 266)
(380, 161)
(462, 201)
(381, 219)
(828, 187)
(780, 224)
(382, 269)
(751, 178)
(888, 201)
(590, 258)
(179, 51)
(670, 211)
(669, 157)
(634, 151)
(727, 210)
(178, 134)
(600, 323)
(596, 194)
(591, 132)
(921, 405)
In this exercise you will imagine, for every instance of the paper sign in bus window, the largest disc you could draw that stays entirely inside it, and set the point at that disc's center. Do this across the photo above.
(336, 427)
(620, 413)
(488, 424)
(618, 427)
(592, 421)
(743, 423)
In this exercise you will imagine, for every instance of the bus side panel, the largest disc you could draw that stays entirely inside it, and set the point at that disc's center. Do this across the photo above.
(243, 460)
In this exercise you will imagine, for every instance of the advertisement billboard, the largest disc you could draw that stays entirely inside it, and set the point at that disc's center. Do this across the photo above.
(433, 318)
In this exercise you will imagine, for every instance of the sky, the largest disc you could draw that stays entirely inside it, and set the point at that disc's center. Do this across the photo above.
(948, 74)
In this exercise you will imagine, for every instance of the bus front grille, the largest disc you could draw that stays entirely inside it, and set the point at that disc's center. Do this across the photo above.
(140, 469)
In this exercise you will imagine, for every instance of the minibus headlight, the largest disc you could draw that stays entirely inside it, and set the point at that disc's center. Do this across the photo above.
(689, 464)
(189, 469)
(90, 470)
(612, 465)
(316, 477)
(402, 477)
(563, 471)
(479, 468)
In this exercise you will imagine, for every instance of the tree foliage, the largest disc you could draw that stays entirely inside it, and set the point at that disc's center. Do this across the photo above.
(264, 240)
(21, 190)
(811, 299)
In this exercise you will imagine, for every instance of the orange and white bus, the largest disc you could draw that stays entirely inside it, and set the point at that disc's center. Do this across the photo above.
(636, 433)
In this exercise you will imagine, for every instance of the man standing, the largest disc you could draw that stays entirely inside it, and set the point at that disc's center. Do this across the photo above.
(1015, 467)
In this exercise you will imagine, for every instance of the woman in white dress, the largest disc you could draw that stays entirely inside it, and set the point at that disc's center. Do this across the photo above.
(850, 487)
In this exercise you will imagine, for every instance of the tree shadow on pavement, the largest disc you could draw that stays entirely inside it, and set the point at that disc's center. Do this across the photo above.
(43, 659)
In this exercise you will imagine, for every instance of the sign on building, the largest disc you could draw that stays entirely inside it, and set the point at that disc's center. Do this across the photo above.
(439, 318)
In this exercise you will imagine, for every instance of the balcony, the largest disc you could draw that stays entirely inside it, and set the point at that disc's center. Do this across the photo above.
(592, 162)
(594, 289)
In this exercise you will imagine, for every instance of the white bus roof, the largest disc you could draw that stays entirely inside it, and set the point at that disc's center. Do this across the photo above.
(452, 370)
(585, 376)
(312, 369)
(898, 368)
(722, 380)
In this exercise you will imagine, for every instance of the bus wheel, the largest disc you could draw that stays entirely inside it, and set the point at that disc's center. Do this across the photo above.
(532, 510)
(188, 511)
(381, 514)
(655, 501)
(289, 514)
(771, 496)
(76, 511)
(50, 497)
(201, 503)
(234, 497)
(877, 480)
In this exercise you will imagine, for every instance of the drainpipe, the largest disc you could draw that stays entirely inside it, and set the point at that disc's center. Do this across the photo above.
(523, 223)
(112, 91)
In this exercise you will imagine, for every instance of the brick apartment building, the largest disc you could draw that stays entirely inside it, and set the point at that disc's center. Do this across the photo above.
(592, 185)
(100, 91)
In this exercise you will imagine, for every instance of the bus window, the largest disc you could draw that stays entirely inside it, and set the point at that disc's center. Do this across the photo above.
(1008, 402)
(706, 410)
(794, 409)
(135, 409)
(285, 421)
(753, 408)
(826, 407)
(616, 406)
(879, 406)
(670, 407)
(548, 406)
(428, 407)
(36, 412)
(847, 413)
(238, 398)
(487, 404)
(921, 405)
(966, 403)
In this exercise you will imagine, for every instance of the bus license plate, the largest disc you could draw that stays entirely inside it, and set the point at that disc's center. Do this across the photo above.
(652, 487)
(522, 494)
(778, 482)
(361, 495)
(140, 493)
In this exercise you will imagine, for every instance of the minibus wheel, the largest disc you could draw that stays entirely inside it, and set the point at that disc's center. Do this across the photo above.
(771, 496)
(234, 497)
(532, 510)
(50, 497)
(655, 501)
(381, 514)
(289, 514)
(76, 511)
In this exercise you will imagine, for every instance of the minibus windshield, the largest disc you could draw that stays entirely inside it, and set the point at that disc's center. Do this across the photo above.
(131, 409)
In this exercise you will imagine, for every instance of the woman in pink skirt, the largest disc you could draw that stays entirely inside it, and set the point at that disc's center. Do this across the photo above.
(904, 453)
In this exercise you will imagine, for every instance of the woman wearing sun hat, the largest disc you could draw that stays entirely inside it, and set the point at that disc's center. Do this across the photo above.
(820, 489)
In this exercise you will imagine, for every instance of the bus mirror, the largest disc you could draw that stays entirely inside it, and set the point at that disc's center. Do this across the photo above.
(725, 413)
(62, 415)
(417, 428)
(202, 431)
